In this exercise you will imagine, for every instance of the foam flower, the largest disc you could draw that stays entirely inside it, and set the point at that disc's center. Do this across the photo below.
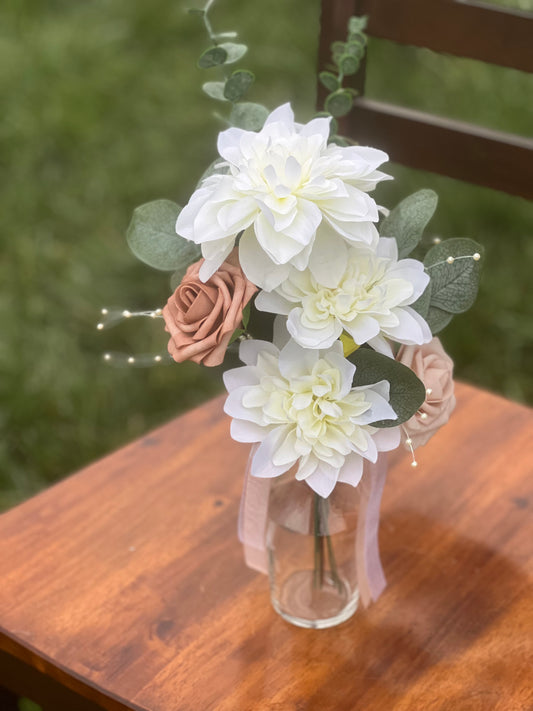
(301, 406)
(363, 292)
(283, 182)
(434, 367)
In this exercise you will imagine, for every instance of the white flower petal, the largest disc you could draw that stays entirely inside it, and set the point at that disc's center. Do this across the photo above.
(322, 335)
(322, 480)
(352, 470)
(328, 258)
(283, 114)
(249, 351)
(257, 266)
(246, 431)
(262, 463)
(272, 302)
(412, 329)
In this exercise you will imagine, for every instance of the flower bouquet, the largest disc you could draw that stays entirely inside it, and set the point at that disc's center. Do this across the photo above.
(332, 303)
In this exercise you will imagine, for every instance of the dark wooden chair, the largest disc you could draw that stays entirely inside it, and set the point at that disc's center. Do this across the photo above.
(465, 28)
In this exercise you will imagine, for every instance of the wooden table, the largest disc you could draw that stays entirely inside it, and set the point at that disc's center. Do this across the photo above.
(124, 586)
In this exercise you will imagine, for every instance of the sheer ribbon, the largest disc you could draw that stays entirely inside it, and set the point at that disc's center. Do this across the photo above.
(253, 519)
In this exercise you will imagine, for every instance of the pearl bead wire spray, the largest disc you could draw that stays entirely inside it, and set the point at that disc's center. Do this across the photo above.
(111, 318)
(451, 259)
(408, 440)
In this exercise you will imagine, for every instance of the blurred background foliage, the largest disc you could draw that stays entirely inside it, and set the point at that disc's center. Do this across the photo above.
(101, 110)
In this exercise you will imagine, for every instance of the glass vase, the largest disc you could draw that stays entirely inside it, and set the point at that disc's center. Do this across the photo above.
(311, 553)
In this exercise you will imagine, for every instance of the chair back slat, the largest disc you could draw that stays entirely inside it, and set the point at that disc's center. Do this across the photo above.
(467, 29)
(457, 149)
(453, 148)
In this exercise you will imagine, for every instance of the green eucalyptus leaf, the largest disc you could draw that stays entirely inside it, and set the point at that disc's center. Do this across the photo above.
(421, 305)
(249, 116)
(234, 51)
(355, 49)
(152, 237)
(357, 25)
(349, 64)
(212, 57)
(407, 221)
(407, 392)
(337, 47)
(215, 89)
(339, 103)
(453, 286)
(238, 84)
(437, 319)
(329, 80)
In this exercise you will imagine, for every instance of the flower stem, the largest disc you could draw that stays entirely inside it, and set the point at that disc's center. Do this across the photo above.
(318, 572)
(322, 543)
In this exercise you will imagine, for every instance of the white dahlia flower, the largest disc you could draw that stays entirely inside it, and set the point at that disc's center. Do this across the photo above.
(283, 182)
(301, 406)
(354, 289)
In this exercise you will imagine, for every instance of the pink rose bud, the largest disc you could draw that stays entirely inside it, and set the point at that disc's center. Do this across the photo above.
(202, 317)
(435, 369)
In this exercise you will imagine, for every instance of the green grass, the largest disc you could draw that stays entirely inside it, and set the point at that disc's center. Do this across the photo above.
(101, 111)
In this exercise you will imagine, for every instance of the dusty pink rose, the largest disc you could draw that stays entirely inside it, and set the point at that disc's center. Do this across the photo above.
(435, 369)
(201, 317)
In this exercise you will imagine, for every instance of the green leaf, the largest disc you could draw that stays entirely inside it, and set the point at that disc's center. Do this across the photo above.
(421, 305)
(407, 392)
(349, 64)
(437, 319)
(249, 116)
(234, 51)
(246, 314)
(238, 84)
(212, 57)
(214, 89)
(406, 222)
(339, 103)
(357, 25)
(356, 48)
(453, 286)
(329, 80)
(337, 47)
(152, 237)
(235, 335)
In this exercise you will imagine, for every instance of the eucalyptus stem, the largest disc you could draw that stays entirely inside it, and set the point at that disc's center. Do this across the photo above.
(209, 4)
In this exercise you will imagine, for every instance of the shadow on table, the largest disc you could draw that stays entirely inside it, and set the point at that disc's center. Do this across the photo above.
(440, 638)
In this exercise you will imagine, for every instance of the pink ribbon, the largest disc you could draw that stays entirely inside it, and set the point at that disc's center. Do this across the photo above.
(370, 576)
(253, 519)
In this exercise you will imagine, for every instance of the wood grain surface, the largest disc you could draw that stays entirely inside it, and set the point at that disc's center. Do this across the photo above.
(126, 583)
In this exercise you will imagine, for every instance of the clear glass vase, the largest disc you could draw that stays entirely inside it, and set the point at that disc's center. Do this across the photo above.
(311, 553)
